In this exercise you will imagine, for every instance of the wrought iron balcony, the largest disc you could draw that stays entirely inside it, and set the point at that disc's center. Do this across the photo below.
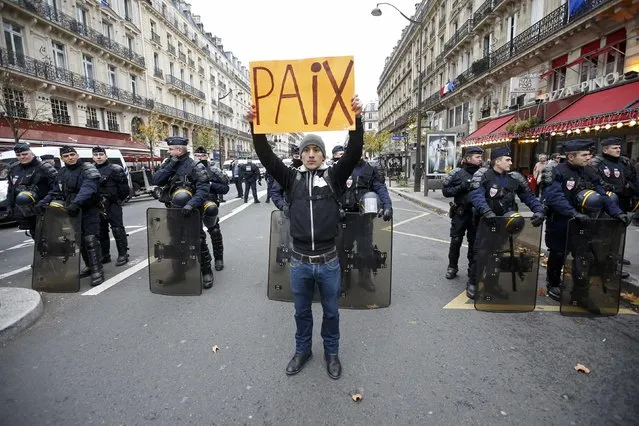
(114, 127)
(482, 12)
(191, 63)
(184, 86)
(171, 49)
(225, 108)
(16, 111)
(182, 57)
(431, 100)
(61, 118)
(459, 35)
(155, 38)
(47, 71)
(439, 60)
(67, 23)
(430, 67)
(93, 124)
(158, 73)
(174, 112)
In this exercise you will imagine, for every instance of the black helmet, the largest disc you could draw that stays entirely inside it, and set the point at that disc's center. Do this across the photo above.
(57, 204)
(514, 222)
(589, 202)
(209, 209)
(635, 205)
(614, 197)
(26, 198)
(180, 197)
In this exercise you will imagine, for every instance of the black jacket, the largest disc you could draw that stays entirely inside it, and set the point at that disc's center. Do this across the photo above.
(313, 195)
(114, 185)
(77, 184)
(37, 177)
(250, 172)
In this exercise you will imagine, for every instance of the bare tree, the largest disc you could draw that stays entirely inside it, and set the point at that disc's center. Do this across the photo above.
(14, 97)
(151, 132)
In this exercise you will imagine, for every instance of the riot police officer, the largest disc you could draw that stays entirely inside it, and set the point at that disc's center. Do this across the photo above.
(457, 184)
(181, 172)
(493, 194)
(337, 153)
(251, 175)
(30, 180)
(219, 187)
(78, 186)
(114, 190)
(570, 179)
(237, 178)
(49, 159)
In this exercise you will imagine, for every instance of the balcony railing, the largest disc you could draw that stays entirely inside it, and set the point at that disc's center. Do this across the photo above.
(93, 124)
(174, 112)
(459, 35)
(61, 118)
(225, 108)
(39, 8)
(16, 111)
(171, 49)
(158, 73)
(184, 86)
(46, 71)
(155, 38)
(182, 57)
(431, 100)
(114, 127)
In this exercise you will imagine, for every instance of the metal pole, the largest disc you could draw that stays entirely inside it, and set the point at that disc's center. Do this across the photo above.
(219, 141)
(418, 153)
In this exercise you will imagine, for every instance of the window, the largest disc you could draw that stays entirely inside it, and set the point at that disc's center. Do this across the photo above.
(451, 117)
(127, 10)
(185, 132)
(511, 27)
(107, 30)
(134, 85)
(184, 105)
(171, 68)
(14, 103)
(129, 43)
(59, 60)
(112, 121)
(59, 112)
(14, 42)
(458, 115)
(81, 16)
(175, 130)
(158, 94)
(52, 8)
(370, 126)
(191, 80)
(182, 74)
(87, 66)
(152, 23)
(588, 69)
(370, 115)
(615, 59)
(486, 45)
(559, 78)
(92, 118)
(112, 75)
(156, 60)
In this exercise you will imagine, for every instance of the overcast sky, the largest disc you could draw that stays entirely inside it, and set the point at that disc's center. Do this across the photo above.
(293, 29)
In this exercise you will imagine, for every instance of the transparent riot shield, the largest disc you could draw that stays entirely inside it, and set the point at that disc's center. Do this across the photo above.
(507, 266)
(174, 250)
(56, 254)
(592, 270)
(364, 247)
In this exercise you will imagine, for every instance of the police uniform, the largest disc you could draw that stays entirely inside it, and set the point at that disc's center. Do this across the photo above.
(363, 179)
(28, 184)
(114, 190)
(219, 186)
(251, 175)
(78, 187)
(49, 159)
(457, 184)
(237, 178)
(561, 198)
(493, 194)
(191, 177)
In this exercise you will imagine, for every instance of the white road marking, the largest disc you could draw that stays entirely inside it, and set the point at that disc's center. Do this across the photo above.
(395, 225)
(144, 262)
(26, 243)
(17, 271)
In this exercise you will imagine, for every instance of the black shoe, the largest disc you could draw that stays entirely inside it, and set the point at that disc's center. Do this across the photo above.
(85, 272)
(298, 361)
(219, 264)
(268, 201)
(207, 278)
(106, 259)
(626, 262)
(624, 275)
(554, 292)
(97, 278)
(451, 273)
(256, 202)
(333, 366)
(240, 196)
(471, 289)
(245, 201)
(121, 260)
(221, 200)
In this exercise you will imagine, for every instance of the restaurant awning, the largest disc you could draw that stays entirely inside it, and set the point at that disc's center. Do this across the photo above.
(489, 130)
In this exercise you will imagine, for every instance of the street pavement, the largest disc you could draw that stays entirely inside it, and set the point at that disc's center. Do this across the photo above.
(117, 354)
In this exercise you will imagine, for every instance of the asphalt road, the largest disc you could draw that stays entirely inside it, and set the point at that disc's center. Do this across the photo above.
(126, 356)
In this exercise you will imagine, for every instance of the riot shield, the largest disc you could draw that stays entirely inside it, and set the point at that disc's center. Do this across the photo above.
(592, 270)
(56, 254)
(364, 247)
(507, 266)
(174, 250)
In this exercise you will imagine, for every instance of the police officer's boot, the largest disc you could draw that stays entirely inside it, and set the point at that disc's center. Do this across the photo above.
(85, 271)
(105, 246)
(122, 245)
(218, 247)
(205, 263)
(94, 258)
(453, 257)
(553, 275)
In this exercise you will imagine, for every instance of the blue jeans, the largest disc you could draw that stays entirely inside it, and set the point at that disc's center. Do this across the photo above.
(327, 276)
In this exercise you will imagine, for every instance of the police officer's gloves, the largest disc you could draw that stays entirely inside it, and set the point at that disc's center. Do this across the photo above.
(537, 219)
(173, 162)
(385, 213)
(187, 210)
(582, 219)
(73, 210)
(286, 211)
(489, 218)
(465, 185)
(624, 217)
(40, 208)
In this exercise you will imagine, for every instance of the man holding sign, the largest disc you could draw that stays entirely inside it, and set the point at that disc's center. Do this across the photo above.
(312, 191)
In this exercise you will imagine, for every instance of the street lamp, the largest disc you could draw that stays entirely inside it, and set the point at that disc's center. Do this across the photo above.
(219, 124)
(418, 163)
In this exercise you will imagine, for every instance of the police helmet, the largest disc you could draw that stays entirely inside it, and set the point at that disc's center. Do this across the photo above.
(180, 197)
(589, 202)
(368, 203)
(26, 198)
(514, 222)
(58, 204)
(635, 205)
(210, 209)
(614, 197)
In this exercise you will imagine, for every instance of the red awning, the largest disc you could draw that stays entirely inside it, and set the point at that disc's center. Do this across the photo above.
(599, 108)
(488, 130)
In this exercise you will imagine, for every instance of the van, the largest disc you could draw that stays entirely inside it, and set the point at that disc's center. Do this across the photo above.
(9, 157)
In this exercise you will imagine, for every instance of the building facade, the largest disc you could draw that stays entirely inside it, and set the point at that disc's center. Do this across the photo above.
(498, 71)
(370, 117)
(94, 71)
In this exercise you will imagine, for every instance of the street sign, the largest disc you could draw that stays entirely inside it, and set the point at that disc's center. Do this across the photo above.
(397, 137)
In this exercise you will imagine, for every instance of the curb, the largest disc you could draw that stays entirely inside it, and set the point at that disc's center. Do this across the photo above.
(431, 206)
(20, 308)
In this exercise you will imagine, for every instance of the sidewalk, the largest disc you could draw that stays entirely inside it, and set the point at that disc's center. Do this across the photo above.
(19, 309)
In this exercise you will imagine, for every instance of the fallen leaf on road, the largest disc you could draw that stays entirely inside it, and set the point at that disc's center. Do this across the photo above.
(582, 368)
(541, 292)
(630, 297)
(412, 322)
(357, 395)
(215, 348)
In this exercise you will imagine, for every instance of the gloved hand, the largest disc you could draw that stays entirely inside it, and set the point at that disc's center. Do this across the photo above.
(187, 210)
(40, 208)
(259, 182)
(173, 161)
(624, 217)
(465, 185)
(582, 219)
(385, 213)
(489, 218)
(537, 219)
(73, 210)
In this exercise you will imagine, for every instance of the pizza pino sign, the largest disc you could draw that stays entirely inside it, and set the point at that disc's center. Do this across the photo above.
(586, 86)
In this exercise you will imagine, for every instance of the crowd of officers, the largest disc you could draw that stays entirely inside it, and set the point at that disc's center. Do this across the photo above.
(485, 193)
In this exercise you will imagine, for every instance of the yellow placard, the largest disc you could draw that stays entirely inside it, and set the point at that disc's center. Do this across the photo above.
(303, 95)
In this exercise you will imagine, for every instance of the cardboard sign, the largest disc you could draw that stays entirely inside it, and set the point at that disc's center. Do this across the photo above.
(303, 95)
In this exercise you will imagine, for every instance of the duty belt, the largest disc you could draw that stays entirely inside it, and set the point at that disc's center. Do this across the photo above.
(315, 260)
